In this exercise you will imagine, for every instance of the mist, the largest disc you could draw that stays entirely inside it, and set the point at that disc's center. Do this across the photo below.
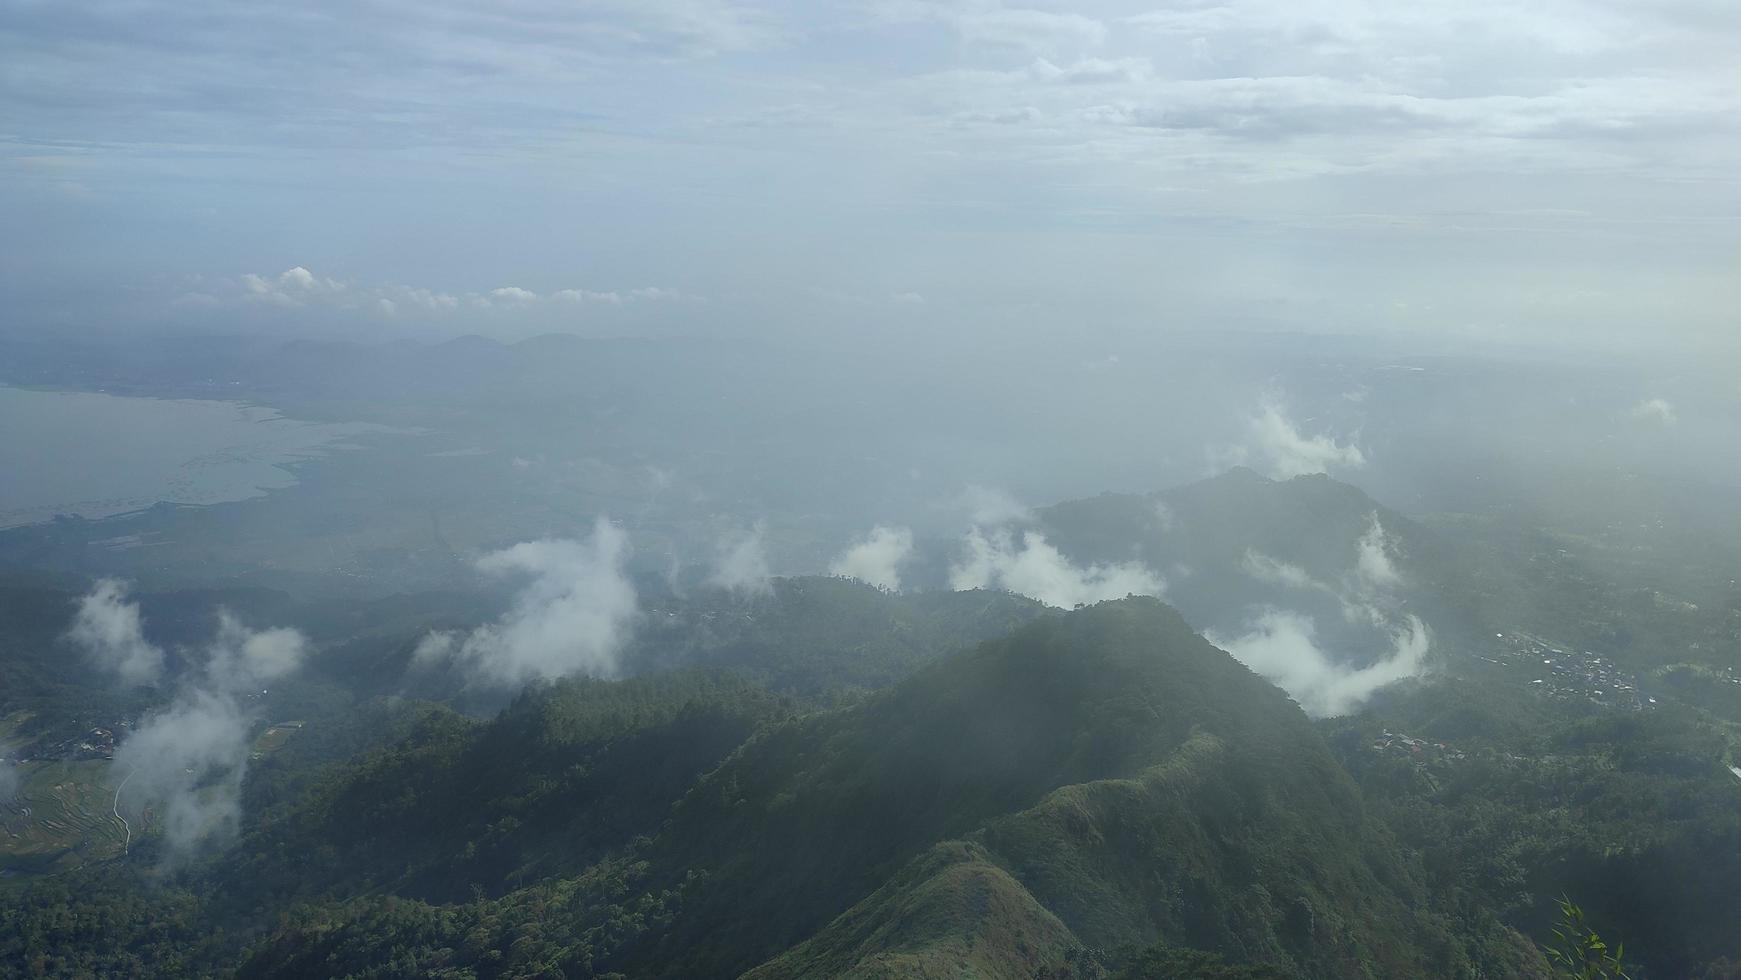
(572, 611)
(1026, 565)
(1275, 446)
(108, 630)
(876, 559)
(723, 488)
(740, 564)
(186, 760)
(1334, 678)
(1283, 646)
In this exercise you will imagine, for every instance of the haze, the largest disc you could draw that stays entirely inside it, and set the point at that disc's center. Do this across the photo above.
(1112, 490)
(1558, 174)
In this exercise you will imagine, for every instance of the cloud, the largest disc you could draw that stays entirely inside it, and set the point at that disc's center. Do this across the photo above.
(741, 563)
(1039, 571)
(187, 760)
(108, 629)
(615, 297)
(291, 288)
(877, 559)
(1655, 410)
(242, 659)
(989, 506)
(1275, 444)
(513, 295)
(1365, 593)
(1274, 571)
(1373, 562)
(1283, 647)
(572, 614)
(1092, 71)
(1029, 29)
(298, 289)
(1165, 520)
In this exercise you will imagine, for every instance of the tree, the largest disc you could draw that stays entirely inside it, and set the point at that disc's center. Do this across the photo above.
(1578, 952)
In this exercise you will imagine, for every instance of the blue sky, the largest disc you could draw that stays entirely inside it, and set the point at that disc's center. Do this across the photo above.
(1563, 171)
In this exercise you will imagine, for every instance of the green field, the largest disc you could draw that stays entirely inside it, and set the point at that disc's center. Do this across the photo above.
(62, 818)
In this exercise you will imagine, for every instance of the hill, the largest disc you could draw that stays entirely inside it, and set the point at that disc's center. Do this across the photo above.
(1093, 780)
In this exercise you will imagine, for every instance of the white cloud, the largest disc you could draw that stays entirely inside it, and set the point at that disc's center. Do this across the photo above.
(1165, 520)
(988, 506)
(1275, 444)
(242, 659)
(1036, 569)
(298, 289)
(615, 297)
(108, 629)
(1373, 562)
(1092, 71)
(572, 614)
(298, 277)
(1027, 28)
(1655, 410)
(1283, 647)
(877, 559)
(741, 563)
(1277, 572)
(187, 760)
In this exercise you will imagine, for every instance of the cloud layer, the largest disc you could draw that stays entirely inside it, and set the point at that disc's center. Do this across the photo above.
(1559, 168)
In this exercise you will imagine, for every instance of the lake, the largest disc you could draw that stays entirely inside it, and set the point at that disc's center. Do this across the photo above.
(95, 455)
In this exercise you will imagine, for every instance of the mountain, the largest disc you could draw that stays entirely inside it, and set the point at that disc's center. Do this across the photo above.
(1098, 779)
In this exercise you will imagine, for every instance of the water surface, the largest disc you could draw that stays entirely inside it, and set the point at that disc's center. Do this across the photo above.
(95, 455)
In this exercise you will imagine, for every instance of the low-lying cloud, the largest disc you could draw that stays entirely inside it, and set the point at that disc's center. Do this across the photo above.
(187, 760)
(572, 614)
(877, 559)
(1275, 444)
(108, 629)
(988, 506)
(1034, 568)
(740, 563)
(1283, 646)
(1658, 410)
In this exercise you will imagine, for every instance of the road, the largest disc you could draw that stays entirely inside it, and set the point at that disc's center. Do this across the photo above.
(127, 847)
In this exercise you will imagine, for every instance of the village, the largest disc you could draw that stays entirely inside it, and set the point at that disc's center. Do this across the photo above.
(1565, 674)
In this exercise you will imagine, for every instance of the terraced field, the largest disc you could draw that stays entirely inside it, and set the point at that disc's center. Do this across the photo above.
(62, 818)
(274, 737)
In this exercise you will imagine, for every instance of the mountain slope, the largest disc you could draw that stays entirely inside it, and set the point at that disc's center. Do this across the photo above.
(1096, 779)
(1140, 783)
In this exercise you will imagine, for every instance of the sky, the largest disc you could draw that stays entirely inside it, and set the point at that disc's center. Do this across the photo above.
(1554, 172)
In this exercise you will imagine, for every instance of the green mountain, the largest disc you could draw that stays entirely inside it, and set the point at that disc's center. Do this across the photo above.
(1094, 780)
